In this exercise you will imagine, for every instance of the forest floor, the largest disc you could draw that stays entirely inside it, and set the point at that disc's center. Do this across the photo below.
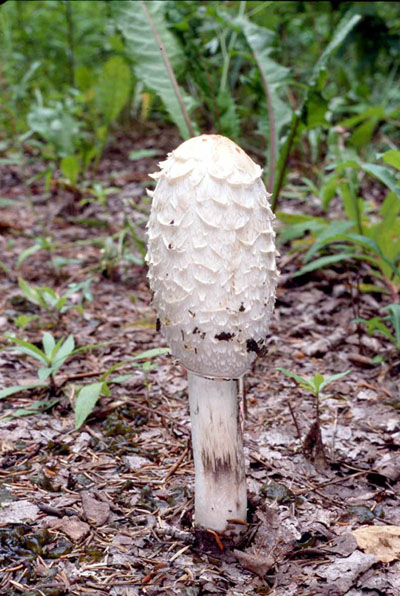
(108, 509)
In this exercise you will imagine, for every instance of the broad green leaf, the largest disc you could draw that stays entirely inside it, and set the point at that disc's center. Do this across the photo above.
(18, 389)
(70, 168)
(392, 157)
(294, 231)
(317, 381)
(362, 135)
(86, 401)
(113, 88)
(48, 342)
(141, 23)
(65, 350)
(274, 75)
(390, 209)
(315, 109)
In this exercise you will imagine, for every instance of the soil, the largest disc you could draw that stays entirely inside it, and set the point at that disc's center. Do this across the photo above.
(108, 508)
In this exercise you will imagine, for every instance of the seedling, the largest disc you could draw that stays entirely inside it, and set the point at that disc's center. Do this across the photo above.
(51, 301)
(51, 357)
(312, 445)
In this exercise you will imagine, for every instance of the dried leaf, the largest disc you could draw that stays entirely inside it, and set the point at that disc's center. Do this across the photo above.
(255, 561)
(96, 512)
(74, 528)
(18, 511)
(381, 541)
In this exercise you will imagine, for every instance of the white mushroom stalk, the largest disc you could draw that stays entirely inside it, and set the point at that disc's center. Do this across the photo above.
(211, 258)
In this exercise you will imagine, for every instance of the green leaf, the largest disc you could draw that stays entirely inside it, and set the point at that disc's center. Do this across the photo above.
(44, 373)
(29, 349)
(140, 23)
(64, 350)
(70, 167)
(151, 353)
(332, 232)
(121, 378)
(141, 153)
(38, 406)
(314, 113)
(27, 290)
(347, 23)
(48, 342)
(392, 157)
(305, 383)
(317, 381)
(329, 380)
(394, 318)
(113, 88)
(323, 262)
(18, 389)
(86, 401)
(376, 324)
(384, 175)
(28, 252)
(260, 40)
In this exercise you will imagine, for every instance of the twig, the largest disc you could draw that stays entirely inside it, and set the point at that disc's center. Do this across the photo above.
(176, 465)
(294, 420)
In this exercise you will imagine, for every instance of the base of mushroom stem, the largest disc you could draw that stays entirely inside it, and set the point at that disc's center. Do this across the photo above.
(220, 482)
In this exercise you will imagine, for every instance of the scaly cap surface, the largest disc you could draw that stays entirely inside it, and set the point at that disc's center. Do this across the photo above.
(211, 256)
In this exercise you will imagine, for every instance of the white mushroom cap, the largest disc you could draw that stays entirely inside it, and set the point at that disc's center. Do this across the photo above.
(211, 256)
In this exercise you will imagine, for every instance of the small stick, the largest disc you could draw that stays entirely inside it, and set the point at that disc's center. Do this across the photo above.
(294, 420)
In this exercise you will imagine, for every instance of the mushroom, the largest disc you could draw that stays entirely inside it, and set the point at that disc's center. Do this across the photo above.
(211, 260)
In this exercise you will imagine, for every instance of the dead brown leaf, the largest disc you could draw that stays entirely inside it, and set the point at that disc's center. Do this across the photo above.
(96, 512)
(74, 528)
(381, 541)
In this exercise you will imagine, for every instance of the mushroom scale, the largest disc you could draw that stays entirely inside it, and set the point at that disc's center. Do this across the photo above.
(211, 256)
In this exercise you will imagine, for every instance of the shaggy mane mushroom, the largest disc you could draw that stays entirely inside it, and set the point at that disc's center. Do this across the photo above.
(211, 259)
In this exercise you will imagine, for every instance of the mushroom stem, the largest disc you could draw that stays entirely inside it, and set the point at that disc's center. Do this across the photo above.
(220, 483)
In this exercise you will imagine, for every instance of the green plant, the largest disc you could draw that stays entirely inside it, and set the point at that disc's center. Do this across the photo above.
(99, 193)
(88, 395)
(157, 54)
(378, 324)
(315, 385)
(51, 358)
(375, 240)
(52, 302)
